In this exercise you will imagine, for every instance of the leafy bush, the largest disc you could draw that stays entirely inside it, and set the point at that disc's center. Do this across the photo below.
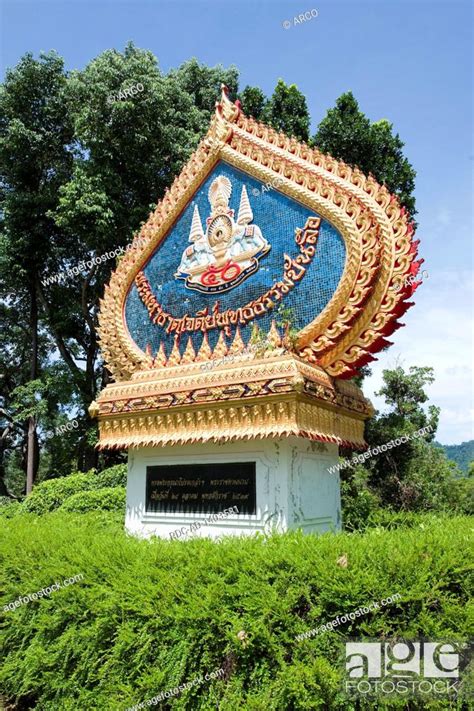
(149, 615)
(463, 494)
(358, 501)
(8, 507)
(110, 498)
(113, 476)
(51, 494)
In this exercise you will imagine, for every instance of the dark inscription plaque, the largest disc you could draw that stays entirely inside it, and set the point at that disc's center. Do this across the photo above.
(201, 488)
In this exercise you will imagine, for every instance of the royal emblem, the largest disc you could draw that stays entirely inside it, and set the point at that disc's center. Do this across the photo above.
(229, 251)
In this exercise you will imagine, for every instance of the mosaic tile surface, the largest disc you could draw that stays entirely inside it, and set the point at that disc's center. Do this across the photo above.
(277, 216)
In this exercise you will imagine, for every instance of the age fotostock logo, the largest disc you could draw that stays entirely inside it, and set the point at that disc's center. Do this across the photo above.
(402, 667)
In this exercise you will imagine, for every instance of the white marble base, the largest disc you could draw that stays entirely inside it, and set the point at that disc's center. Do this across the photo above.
(294, 488)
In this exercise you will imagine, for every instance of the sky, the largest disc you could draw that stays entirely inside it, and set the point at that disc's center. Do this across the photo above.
(407, 61)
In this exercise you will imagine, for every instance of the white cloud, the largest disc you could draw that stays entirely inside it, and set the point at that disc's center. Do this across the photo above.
(438, 333)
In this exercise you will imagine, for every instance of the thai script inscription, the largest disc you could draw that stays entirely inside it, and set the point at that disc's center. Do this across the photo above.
(294, 270)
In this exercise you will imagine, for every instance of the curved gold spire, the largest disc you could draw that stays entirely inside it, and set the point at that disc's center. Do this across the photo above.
(189, 354)
(238, 344)
(175, 355)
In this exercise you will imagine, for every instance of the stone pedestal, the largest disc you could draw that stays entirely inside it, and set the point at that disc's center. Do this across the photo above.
(293, 488)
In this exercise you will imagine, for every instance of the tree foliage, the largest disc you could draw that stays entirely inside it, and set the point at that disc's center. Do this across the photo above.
(253, 100)
(286, 110)
(347, 134)
(82, 163)
(412, 475)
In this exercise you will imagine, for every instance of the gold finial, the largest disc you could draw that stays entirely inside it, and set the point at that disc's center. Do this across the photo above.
(220, 351)
(149, 356)
(224, 92)
(205, 351)
(273, 335)
(225, 108)
(175, 355)
(93, 409)
(189, 354)
(160, 358)
(238, 344)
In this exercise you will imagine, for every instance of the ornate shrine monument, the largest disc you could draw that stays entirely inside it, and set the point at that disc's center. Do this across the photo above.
(265, 278)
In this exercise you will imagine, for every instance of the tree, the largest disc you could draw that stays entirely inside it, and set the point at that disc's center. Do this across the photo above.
(34, 161)
(405, 393)
(287, 111)
(128, 152)
(203, 85)
(348, 135)
(14, 346)
(253, 102)
(413, 474)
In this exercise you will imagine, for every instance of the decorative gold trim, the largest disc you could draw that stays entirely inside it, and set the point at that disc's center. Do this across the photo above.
(376, 230)
(223, 422)
(186, 402)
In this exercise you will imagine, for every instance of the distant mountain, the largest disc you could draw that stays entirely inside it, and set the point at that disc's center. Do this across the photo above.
(462, 454)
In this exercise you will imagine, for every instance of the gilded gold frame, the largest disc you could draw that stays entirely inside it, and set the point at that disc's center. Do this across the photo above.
(377, 233)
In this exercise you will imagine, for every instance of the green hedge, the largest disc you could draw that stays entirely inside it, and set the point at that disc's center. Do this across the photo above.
(53, 493)
(113, 476)
(8, 507)
(110, 498)
(149, 615)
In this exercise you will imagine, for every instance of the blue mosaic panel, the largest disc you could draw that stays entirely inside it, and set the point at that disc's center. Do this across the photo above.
(277, 216)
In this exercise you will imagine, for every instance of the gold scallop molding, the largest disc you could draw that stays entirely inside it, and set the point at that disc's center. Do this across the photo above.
(377, 232)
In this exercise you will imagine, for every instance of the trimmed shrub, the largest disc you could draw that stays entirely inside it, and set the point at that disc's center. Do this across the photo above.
(107, 499)
(8, 507)
(51, 494)
(387, 518)
(113, 476)
(150, 615)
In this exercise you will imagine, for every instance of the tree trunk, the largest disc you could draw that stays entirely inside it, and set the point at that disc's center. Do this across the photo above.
(32, 460)
(3, 487)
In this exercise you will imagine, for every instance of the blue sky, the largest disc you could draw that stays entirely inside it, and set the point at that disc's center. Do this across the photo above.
(407, 61)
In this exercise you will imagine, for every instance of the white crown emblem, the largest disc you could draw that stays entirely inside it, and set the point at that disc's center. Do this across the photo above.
(229, 251)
